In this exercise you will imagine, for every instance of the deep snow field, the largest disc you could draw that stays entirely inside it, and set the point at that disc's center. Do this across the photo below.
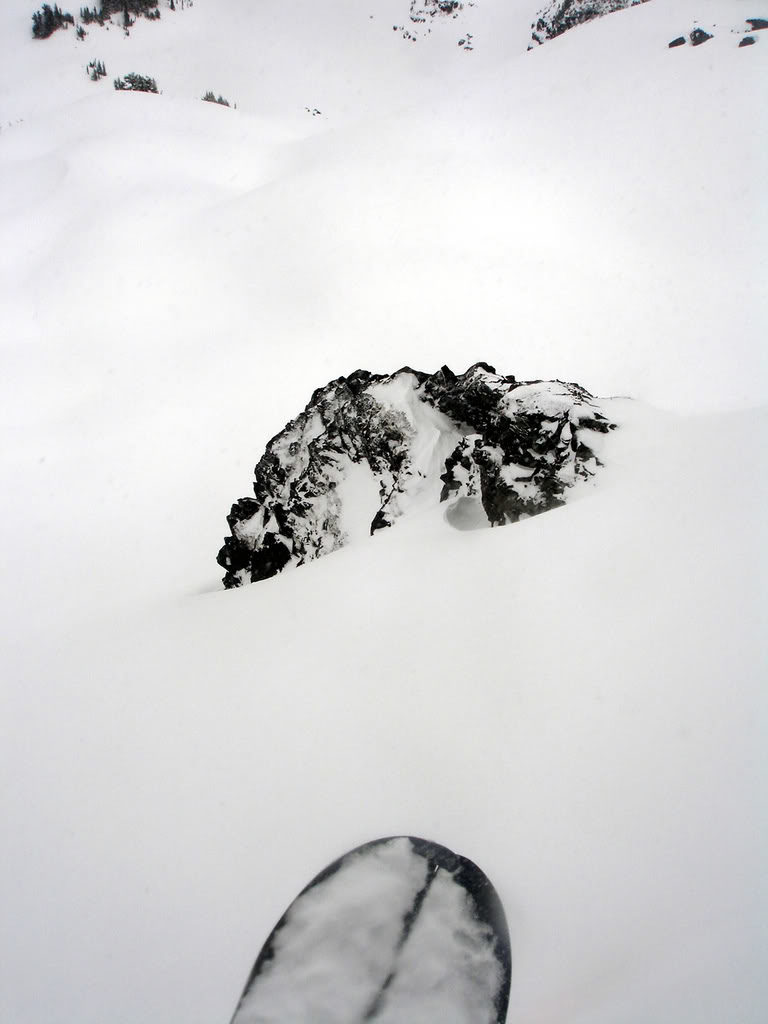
(575, 702)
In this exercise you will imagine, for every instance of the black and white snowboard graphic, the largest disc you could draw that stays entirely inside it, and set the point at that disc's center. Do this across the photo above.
(398, 931)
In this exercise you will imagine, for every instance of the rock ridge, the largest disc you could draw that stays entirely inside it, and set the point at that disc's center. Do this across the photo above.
(560, 15)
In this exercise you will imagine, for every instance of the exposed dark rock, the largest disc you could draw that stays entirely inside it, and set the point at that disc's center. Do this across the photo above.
(699, 36)
(560, 15)
(422, 12)
(369, 446)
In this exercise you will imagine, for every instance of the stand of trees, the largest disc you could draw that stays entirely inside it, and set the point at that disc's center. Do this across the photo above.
(96, 70)
(136, 83)
(211, 97)
(88, 16)
(145, 7)
(48, 19)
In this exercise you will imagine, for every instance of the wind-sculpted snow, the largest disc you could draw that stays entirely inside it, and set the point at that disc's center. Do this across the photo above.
(399, 930)
(560, 15)
(369, 448)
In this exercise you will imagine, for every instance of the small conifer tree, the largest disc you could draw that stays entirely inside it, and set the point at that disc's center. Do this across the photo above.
(96, 70)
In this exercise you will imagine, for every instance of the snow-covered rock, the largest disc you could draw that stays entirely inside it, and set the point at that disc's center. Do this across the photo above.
(401, 929)
(423, 14)
(369, 447)
(560, 15)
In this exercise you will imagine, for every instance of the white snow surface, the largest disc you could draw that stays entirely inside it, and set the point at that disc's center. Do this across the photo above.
(575, 702)
(435, 436)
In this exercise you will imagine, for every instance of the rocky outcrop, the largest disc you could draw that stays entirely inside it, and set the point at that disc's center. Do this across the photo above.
(699, 35)
(423, 12)
(370, 447)
(560, 15)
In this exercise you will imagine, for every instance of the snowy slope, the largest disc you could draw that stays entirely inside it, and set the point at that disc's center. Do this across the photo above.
(573, 702)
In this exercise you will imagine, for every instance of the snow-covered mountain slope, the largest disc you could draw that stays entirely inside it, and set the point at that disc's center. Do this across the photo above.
(574, 701)
(575, 224)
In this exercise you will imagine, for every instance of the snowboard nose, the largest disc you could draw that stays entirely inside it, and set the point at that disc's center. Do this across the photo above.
(398, 930)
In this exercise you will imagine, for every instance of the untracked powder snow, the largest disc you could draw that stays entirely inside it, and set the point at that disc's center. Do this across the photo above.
(576, 700)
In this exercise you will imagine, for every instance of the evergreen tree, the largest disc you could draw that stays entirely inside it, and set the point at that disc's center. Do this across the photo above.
(211, 97)
(136, 83)
(47, 20)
